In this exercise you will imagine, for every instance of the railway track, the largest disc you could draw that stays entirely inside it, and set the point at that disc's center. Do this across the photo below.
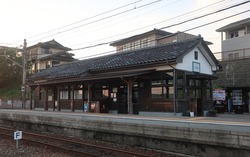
(71, 146)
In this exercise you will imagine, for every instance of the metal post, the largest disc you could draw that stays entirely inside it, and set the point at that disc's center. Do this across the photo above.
(24, 75)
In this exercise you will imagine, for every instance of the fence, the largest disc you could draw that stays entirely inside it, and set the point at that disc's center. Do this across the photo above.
(12, 104)
(232, 55)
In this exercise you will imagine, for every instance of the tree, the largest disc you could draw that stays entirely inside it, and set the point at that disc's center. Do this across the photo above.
(10, 72)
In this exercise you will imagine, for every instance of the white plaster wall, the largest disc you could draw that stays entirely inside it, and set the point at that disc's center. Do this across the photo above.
(187, 63)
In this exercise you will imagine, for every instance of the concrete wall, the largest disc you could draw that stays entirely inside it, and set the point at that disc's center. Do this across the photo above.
(234, 73)
(192, 138)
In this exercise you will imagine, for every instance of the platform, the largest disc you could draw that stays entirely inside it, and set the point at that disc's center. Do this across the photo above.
(195, 135)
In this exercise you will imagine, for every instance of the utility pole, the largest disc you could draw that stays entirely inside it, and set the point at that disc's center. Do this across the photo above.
(24, 75)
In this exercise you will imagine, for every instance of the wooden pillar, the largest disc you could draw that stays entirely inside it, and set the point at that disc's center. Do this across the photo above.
(175, 91)
(72, 103)
(53, 99)
(58, 98)
(89, 84)
(46, 103)
(83, 96)
(130, 82)
(31, 96)
(31, 99)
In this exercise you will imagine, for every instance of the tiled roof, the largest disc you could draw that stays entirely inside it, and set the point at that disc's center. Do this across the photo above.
(62, 56)
(138, 36)
(234, 25)
(50, 44)
(114, 62)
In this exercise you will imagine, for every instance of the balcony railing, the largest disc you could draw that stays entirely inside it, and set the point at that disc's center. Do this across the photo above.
(232, 55)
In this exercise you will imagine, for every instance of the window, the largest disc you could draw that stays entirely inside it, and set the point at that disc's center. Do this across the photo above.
(41, 95)
(195, 55)
(180, 93)
(195, 88)
(158, 92)
(162, 88)
(45, 51)
(234, 34)
(64, 93)
(137, 44)
(105, 93)
(78, 94)
(144, 43)
(99, 91)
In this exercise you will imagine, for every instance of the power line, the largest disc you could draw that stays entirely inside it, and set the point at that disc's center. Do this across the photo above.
(101, 19)
(155, 23)
(110, 24)
(109, 52)
(236, 5)
(216, 21)
(88, 18)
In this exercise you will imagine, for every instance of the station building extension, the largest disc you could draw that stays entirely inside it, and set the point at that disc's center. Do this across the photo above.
(171, 78)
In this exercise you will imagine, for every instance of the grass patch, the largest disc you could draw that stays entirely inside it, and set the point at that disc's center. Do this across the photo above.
(10, 93)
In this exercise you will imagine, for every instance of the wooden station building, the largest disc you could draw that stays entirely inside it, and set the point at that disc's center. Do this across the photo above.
(171, 78)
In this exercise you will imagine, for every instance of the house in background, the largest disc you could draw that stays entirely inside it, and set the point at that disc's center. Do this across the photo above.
(47, 54)
(235, 40)
(151, 38)
(235, 74)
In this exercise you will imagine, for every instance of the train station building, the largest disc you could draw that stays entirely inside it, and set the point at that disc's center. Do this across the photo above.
(154, 73)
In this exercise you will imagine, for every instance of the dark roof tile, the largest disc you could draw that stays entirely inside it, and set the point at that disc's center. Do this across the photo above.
(151, 55)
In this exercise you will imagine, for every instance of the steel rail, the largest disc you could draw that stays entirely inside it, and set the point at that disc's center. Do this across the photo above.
(34, 138)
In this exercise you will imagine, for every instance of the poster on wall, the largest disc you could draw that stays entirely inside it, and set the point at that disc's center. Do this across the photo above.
(237, 97)
(219, 94)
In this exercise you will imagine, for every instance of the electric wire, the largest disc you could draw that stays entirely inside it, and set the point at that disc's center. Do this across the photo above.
(151, 24)
(85, 19)
(109, 24)
(236, 5)
(98, 20)
(215, 21)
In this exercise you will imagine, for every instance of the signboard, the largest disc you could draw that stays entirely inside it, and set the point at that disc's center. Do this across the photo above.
(18, 135)
(196, 67)
(219, 94)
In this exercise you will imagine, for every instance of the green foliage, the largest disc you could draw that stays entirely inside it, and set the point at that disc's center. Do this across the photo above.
(10, 93)
(10, 72)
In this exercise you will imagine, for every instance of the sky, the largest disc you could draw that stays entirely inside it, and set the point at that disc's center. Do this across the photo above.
(79, 24)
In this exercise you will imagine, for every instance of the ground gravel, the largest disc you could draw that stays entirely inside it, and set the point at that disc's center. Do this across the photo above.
(8, 149)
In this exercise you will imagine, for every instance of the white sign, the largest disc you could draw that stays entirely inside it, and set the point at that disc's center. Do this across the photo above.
(219, 94)
(196, 67)
(18, 135)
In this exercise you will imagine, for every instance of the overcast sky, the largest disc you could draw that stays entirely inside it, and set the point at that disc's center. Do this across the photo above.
(82, 23)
